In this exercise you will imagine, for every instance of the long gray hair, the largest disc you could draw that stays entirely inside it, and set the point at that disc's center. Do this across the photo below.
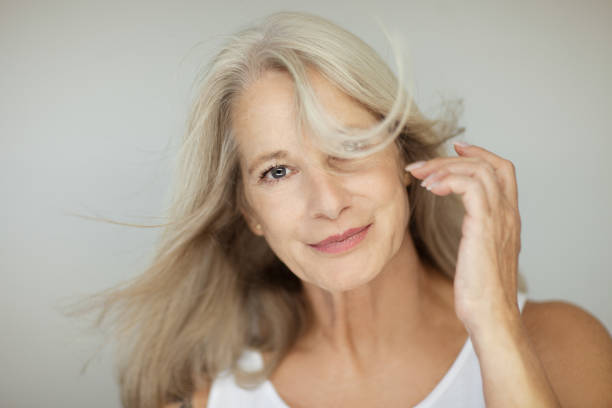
(214, 288)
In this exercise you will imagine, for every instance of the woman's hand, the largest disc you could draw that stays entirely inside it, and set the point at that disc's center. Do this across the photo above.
(485, 280)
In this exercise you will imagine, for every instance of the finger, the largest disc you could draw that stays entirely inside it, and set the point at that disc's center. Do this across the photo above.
(471, 189)
(423, 169)
(436, 168)
(480, 170)
(504, 169)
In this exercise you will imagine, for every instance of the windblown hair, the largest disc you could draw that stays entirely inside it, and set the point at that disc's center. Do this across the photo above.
(214, 288)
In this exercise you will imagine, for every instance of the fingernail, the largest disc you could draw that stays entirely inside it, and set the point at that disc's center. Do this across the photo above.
(414, 165)
(428, 179)
(432, 186)
(462, 143)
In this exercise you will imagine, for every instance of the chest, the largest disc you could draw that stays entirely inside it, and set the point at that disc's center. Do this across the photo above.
(403, 382)
(393, 393)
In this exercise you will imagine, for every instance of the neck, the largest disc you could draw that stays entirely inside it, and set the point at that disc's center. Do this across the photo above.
(377, 319)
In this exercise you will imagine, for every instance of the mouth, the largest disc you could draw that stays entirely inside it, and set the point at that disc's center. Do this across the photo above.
(343, 242)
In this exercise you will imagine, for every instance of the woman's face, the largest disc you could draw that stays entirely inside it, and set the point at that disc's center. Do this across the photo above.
(297, 200)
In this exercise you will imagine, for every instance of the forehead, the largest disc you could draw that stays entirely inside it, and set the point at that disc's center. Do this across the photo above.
(263, 116)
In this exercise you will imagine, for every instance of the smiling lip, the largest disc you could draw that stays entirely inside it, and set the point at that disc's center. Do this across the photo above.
(343, 242)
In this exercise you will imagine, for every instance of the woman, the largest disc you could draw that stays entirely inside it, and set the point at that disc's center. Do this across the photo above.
(305, 265)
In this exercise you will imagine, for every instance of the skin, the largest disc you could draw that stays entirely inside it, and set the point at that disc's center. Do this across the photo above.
(383, 319)
(372, 304)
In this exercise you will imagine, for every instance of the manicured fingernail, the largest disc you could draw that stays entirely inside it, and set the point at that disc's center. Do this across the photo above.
(432, 186)
(414, 165)
(462, 143)
(428, 180)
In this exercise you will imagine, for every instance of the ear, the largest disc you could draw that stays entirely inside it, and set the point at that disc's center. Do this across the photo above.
(407, 178)
(251, 221)
(245, 209)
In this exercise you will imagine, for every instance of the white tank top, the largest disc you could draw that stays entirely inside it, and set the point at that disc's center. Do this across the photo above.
(461, 386)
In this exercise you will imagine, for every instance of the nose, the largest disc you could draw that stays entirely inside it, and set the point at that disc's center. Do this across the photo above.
(327, 196)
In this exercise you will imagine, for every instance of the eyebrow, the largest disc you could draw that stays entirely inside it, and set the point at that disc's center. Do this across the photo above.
(279, 154)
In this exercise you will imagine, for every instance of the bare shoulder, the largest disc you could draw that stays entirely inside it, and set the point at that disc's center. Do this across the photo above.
(199, 399)
(575, 349)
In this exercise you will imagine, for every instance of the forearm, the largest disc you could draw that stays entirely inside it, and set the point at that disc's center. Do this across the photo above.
(512, 373)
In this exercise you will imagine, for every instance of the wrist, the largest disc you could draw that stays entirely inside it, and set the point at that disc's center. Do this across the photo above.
(494, 326)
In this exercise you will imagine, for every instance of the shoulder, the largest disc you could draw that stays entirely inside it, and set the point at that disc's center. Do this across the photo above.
(199, 399)
(575, 349)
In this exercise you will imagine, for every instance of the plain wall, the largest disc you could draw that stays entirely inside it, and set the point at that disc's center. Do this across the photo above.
(94, 97)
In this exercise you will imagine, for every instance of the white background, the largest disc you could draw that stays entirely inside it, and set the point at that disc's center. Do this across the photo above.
(94, 96)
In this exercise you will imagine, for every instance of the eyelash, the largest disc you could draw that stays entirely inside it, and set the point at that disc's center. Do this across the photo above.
(262, 176)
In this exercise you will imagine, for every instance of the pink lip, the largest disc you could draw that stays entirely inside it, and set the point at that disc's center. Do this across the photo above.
(343, 242)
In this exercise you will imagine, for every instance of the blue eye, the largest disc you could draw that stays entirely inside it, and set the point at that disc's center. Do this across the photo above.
(277, 172)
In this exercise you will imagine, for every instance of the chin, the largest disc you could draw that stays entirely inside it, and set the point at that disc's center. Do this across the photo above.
(346, 283)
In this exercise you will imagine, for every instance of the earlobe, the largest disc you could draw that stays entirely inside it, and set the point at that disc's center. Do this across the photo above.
(255, 228)
(253, 225)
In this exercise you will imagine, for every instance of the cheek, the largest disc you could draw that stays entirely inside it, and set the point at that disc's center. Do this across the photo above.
(280, 214)
(279, 211)
(389, 198)
(383, 188)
